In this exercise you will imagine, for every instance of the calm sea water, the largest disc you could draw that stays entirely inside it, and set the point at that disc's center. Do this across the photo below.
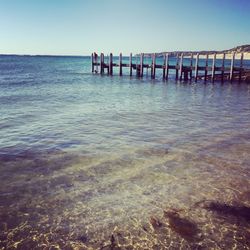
(98, 162)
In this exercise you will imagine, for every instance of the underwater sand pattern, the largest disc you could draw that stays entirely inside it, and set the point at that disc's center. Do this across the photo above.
(152, 198)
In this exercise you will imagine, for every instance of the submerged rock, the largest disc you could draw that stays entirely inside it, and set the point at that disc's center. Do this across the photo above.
(155, 222)
(239, 212)
(182, 226)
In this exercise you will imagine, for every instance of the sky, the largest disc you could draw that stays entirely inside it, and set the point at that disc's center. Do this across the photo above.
(80, 27)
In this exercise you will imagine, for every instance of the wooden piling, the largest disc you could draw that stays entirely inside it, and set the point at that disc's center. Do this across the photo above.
(153, 66)
(213, 67)
(137, 67)
(166, 66)
(206, 66)
(241, 66)
(120, 64)
(152, 62)
(196, 66)
(92, 62)
(101, 63)
(223, 67)
(111, 64)
(177, 67)
(181, 66)
(141, 64)
(96, 61)
(191, 65)
(232, 67)
(130, 64)
(107, 64)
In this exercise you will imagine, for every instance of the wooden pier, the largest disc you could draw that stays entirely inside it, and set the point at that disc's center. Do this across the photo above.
(190, 70)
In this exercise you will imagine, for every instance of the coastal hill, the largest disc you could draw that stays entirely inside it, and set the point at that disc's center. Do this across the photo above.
(238, 49)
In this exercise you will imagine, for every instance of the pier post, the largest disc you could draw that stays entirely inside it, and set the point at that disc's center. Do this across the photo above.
(166, 66)
(181, 66)
(137, 67)
(213, 67)
(120, 64)
(191, 66)
(101, 63)
(223, 67)
(232, 67)
(111, 64)
(196, 66)
(141, 64)
(206, 66)
(130, 64)
(152, 59)
(92, 62)
(177, 67)
(107, 64)
(241, 66)
(153, 66)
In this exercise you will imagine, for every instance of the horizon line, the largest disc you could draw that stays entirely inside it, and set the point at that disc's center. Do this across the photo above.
(14, 54)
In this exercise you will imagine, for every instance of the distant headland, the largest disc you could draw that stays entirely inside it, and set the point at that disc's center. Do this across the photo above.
(239, 49)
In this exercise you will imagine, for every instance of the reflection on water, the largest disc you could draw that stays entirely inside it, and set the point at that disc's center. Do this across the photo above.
(90, 162)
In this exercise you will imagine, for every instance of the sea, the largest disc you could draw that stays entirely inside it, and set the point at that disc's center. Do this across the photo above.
(91, 161)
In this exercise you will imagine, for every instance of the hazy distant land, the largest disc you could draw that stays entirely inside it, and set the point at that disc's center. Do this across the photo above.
(238, 50)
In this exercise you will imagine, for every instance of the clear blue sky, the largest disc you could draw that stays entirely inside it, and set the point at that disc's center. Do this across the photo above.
(79, 27)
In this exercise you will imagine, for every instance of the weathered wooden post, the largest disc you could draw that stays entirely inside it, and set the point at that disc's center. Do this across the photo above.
(181, 66)
(223, 67)
(130, 64)
(213, 67)
(101, 63)
(196, 66)
(232, 68)
(153, 66)
(241, 66)
(107, 64)
(120, 64)
(191, 66)
(111, 64)
(166, 66)
(177, 67)
(206, 66)
(92, 62)
(96, 68)
(137, 67)
(141, 64)
(152, 62)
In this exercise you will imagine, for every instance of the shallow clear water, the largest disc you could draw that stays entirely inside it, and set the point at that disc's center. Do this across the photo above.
(90, 161)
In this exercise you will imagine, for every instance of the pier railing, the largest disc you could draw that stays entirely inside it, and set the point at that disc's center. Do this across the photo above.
(191, 69)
